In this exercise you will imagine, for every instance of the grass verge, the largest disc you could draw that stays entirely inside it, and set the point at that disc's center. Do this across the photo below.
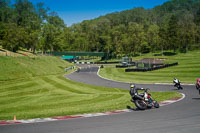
(36, 88)
(187, 71)
(53, 95)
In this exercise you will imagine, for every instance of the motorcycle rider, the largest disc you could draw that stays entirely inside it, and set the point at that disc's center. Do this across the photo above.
(176, 82)
(134, 91)
(198, 85)
(145, 96)
(78, 70)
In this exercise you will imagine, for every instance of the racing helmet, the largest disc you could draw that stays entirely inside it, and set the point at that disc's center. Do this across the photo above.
(132, 86)
(132, 89)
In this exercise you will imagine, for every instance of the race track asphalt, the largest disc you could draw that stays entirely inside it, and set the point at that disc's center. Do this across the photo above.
(179, 117)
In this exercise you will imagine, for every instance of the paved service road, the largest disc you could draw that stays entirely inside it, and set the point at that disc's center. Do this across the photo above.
(179, 117)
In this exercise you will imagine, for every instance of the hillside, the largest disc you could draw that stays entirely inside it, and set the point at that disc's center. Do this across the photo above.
(175, 25)
(35, 88)
(27, 67)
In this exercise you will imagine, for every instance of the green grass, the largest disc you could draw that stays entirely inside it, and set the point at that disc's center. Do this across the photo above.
(187, 71)
(53, 95)
(12, 68)
(36, 88)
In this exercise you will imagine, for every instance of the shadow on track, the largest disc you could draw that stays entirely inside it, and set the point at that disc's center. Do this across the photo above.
(196, 98)
(133, 109)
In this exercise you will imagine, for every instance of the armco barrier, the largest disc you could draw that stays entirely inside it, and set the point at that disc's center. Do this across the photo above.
(69, 68)
(150, 69)
(123, 66)
(113, 62)
(84, 62)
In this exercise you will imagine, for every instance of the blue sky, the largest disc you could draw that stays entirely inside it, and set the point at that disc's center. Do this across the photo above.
(75, 11)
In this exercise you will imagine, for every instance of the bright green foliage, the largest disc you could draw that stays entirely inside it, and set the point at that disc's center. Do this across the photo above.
(171, 26)
(167, 27)
(172, 33)
(26, 25)
(153, 38)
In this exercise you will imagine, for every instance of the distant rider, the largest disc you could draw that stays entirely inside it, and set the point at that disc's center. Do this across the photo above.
(78, 70)
(198, 85)
(176, 82)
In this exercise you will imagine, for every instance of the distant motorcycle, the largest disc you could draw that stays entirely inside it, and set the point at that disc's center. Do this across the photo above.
(78, 70)
(198, 85)
(143, 100)
(177, 84)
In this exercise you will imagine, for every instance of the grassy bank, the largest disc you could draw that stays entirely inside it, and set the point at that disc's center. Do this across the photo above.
(187, 71)
(13, 68)
(35, 87)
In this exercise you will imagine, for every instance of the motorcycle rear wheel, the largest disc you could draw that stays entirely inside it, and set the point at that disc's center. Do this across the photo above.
(180, 87)
(140, 104)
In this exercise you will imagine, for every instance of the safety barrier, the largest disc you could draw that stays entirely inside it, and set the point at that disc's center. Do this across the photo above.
(84, 62)
(69, 68)
(113, 62)
(151, 69)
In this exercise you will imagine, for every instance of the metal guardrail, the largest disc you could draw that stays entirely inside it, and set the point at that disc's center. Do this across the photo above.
(150, 69)
(84, 63)
(69, 68)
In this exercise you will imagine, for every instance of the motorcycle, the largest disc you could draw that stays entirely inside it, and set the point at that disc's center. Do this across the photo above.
(198, 85)
(78, 70)
(177, 84)
(143, 100)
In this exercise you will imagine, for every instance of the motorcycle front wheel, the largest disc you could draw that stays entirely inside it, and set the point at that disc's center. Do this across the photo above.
(140, 104)
(156, 104)
(197, 87)
(180, 87)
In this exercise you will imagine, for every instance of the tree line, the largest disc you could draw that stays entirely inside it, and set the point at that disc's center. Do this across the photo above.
(33, 27)
(175, 25)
